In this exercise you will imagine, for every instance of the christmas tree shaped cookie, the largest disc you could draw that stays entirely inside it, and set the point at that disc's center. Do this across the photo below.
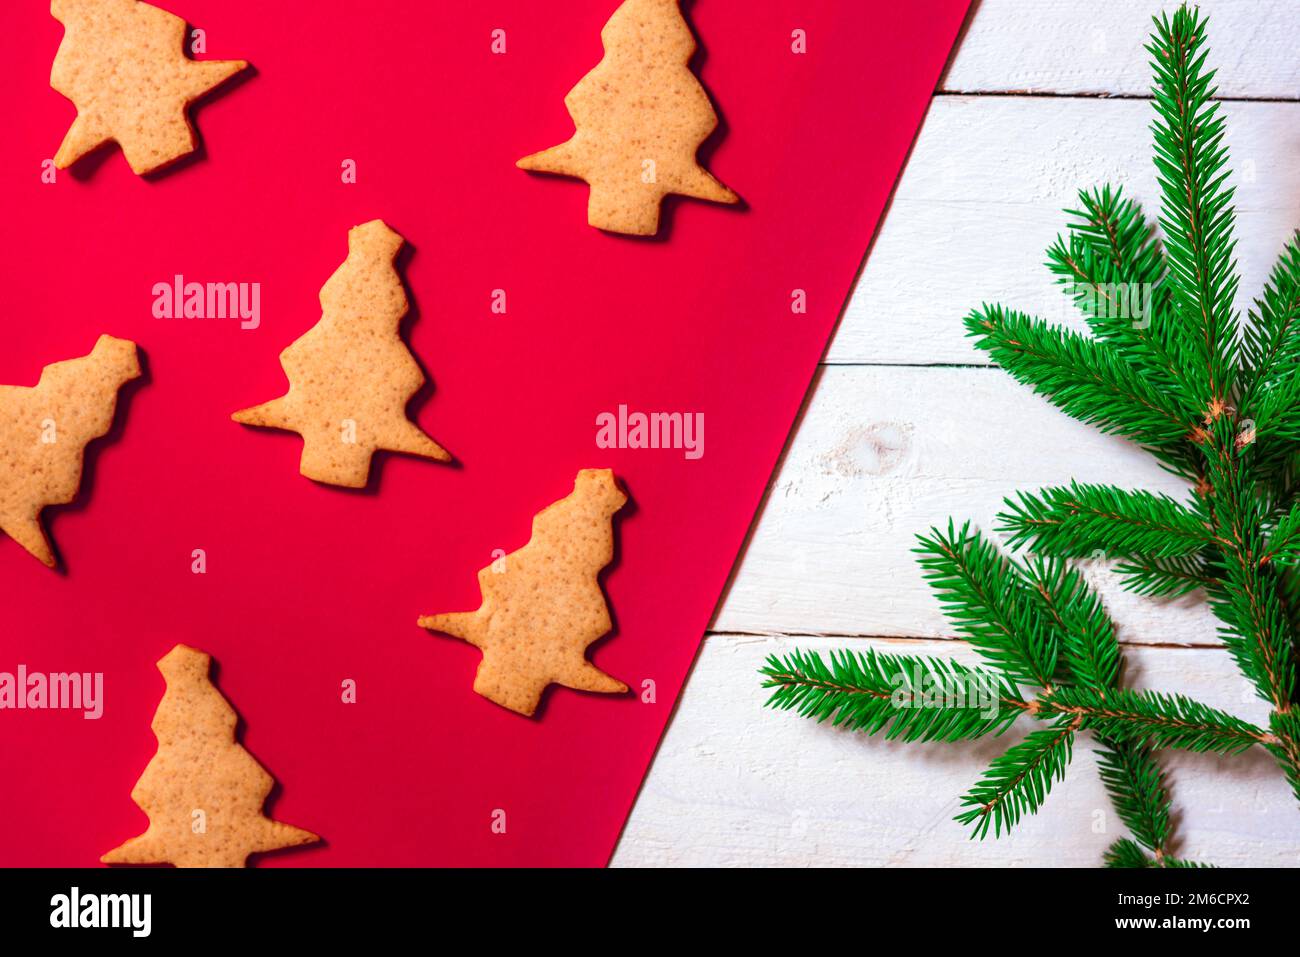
(44, 431)
(542, 605)
(640, 117)
(202, 791)
(123, 64)
(351, 376)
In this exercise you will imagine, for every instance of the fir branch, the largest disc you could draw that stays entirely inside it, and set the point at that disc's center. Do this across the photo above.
(982, 592)
(915, 699)
(1258, 631)
(1017, 782)
(1270, 341)
(1196, 213)
(1137, 789)
(1082, 520)
(1112, 245)
(1287, 578)
(1113, 268)
(1087, 635)
(1283, 547)
(1167, 720)
(1125, 853)
(1274, 425)
(1086, 379)
(1128, 770)
(1164, 577)
(1284, 744)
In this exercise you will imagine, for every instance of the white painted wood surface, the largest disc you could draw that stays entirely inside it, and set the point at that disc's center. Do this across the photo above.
(982, 198)
(1096, 47)
(735, 784)
(908, 426)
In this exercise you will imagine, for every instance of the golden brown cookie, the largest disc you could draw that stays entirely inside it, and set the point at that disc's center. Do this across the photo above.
(350, 375)
(202, 791)
(123, 64)
(640, 117)
(542, 605)
(44, 431)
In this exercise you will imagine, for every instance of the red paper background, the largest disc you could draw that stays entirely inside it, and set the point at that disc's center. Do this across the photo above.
(309, 585)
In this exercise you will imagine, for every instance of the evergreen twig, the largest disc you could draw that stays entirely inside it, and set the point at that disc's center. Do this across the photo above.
(916, 699)
(978, 588)
(1019, 780)
(1082, 520)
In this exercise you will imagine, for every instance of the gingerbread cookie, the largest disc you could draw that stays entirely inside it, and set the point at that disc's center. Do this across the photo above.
(640, 117)
(542, 605)
(351, 376)
(44, 431)
(202, 791)
(123, 64)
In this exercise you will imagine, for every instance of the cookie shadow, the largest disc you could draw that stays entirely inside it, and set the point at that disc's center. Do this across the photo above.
(272, 796)
(200, 152)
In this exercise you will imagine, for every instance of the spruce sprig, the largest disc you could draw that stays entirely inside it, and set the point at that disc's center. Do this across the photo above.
(1137, 789)
(1283, 547)
(1196, 213)
(1112, 266)
(1170, 365)
(977, 586)
(1019, 779)
(1127, 853)
(1164, 577)
(1087, 379)
(1165, 720)
(1080, 521)
(1270, 342)
(1088, 644)
(904, 696)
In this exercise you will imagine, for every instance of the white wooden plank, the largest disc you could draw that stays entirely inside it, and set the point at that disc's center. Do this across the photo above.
(736, 784)
(886, 452)
(1063, 46)
(981, 199)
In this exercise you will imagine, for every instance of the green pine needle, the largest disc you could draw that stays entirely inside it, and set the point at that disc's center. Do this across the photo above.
(1282, 744)
(1018, 781)
(1127, 854)
(1087, 640)
(1082, 521)
(1087, 379)
(1114, 269)
(1257, 629)
(1283, 546)
(1275, 425)
(1137, 789)
(906, 697)
(1167, 720)
(1196, 214)
(983, 593)
(1164, 577)
(1270, 342)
